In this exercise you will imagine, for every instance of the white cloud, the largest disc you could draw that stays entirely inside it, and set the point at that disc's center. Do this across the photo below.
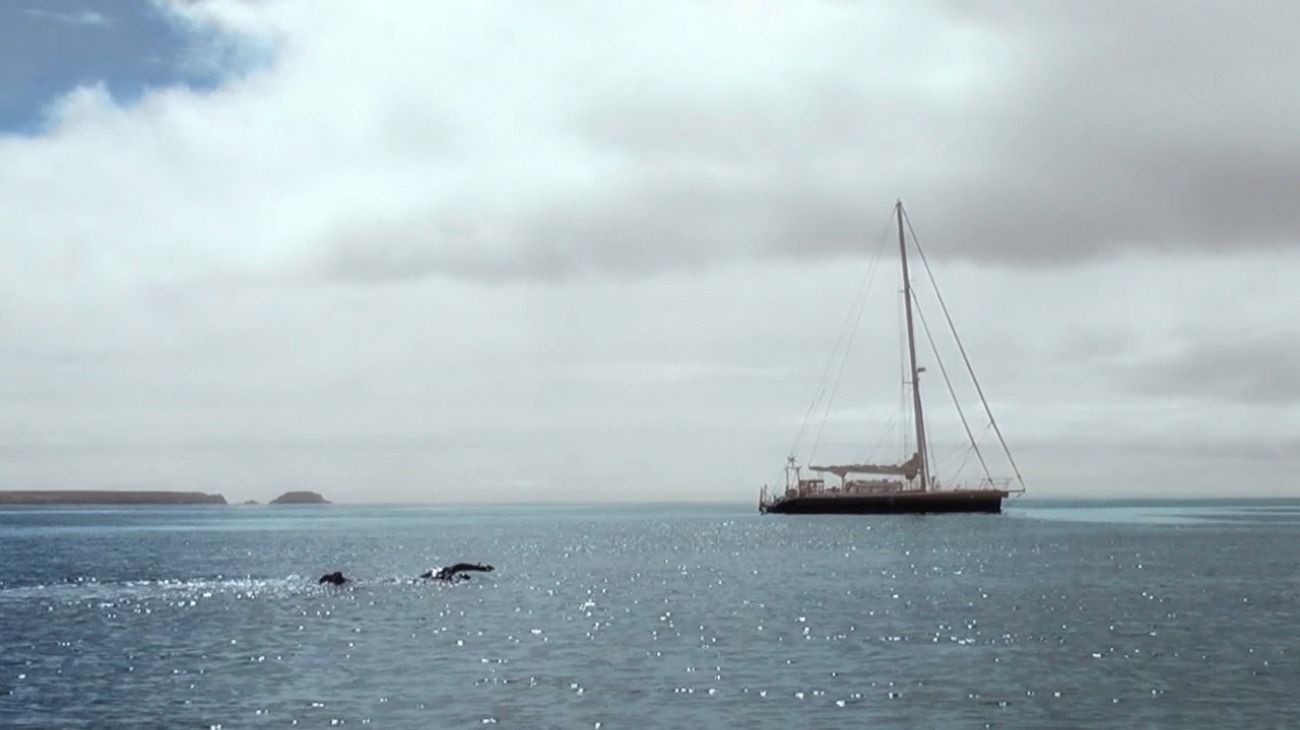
(596, 252)
(81, 17)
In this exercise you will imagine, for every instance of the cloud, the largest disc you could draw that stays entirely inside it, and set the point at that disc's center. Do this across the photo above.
(489, 143)
(1254, 369)
(591, 245)
(81, 17)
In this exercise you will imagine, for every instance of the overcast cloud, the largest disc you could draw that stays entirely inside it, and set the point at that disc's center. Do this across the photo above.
(587, 251)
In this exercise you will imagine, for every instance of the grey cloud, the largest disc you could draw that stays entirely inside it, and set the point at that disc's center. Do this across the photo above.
(640, 228)
(1107, 127)
(1264, 371)
(1039, 134)
(1265, 450)
(1154, 124)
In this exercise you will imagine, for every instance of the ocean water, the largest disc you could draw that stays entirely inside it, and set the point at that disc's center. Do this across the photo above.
(1048, 616)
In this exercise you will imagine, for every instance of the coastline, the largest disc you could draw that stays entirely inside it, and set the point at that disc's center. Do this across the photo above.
(105, 497)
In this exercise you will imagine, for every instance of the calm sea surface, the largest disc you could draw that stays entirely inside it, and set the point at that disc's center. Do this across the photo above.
(1052, 615)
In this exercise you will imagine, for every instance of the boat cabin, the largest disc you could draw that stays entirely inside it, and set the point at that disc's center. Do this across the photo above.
(805, 487)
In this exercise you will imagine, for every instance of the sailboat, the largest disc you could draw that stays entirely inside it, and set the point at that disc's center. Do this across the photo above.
(908, 487)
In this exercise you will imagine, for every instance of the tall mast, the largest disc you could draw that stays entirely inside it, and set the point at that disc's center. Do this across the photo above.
(911, 352)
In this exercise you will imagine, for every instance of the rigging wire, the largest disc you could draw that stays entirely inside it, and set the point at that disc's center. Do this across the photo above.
(896, 422)
(842, 354)
(925, 327)
(964, 458)
(821, 385)
(891, 426)
(844, 360)
(942, 465)
(905, 428)
(962, 348)
(841, 348)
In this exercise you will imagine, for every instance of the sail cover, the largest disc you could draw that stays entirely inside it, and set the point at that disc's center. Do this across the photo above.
(908, 469)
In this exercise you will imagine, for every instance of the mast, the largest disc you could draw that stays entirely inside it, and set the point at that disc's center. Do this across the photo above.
(911, 352)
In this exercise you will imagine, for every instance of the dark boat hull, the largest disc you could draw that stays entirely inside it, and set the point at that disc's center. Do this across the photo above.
(987, 501)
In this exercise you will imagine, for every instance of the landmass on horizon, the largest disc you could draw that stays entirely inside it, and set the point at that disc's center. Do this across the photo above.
(138, 497)
(72, 497)
(300, 498)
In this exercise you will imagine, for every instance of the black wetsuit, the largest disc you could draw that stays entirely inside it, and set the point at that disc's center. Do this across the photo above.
(453, 572)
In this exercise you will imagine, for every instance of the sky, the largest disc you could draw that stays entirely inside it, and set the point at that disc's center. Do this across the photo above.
(591, 251)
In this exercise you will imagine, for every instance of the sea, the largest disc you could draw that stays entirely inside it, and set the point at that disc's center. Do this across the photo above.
(1051, 615)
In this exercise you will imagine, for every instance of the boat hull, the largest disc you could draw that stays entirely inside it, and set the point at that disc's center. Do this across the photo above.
(987, 501)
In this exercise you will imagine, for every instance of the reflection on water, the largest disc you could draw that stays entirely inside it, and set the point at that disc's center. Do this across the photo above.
(1160, 512)
(1121, 615)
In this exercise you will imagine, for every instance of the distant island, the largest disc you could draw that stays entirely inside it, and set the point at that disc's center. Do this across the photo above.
(76, 497)
(300, 498)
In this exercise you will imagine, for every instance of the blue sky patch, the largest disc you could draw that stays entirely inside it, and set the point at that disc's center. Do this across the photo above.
(50, 47)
